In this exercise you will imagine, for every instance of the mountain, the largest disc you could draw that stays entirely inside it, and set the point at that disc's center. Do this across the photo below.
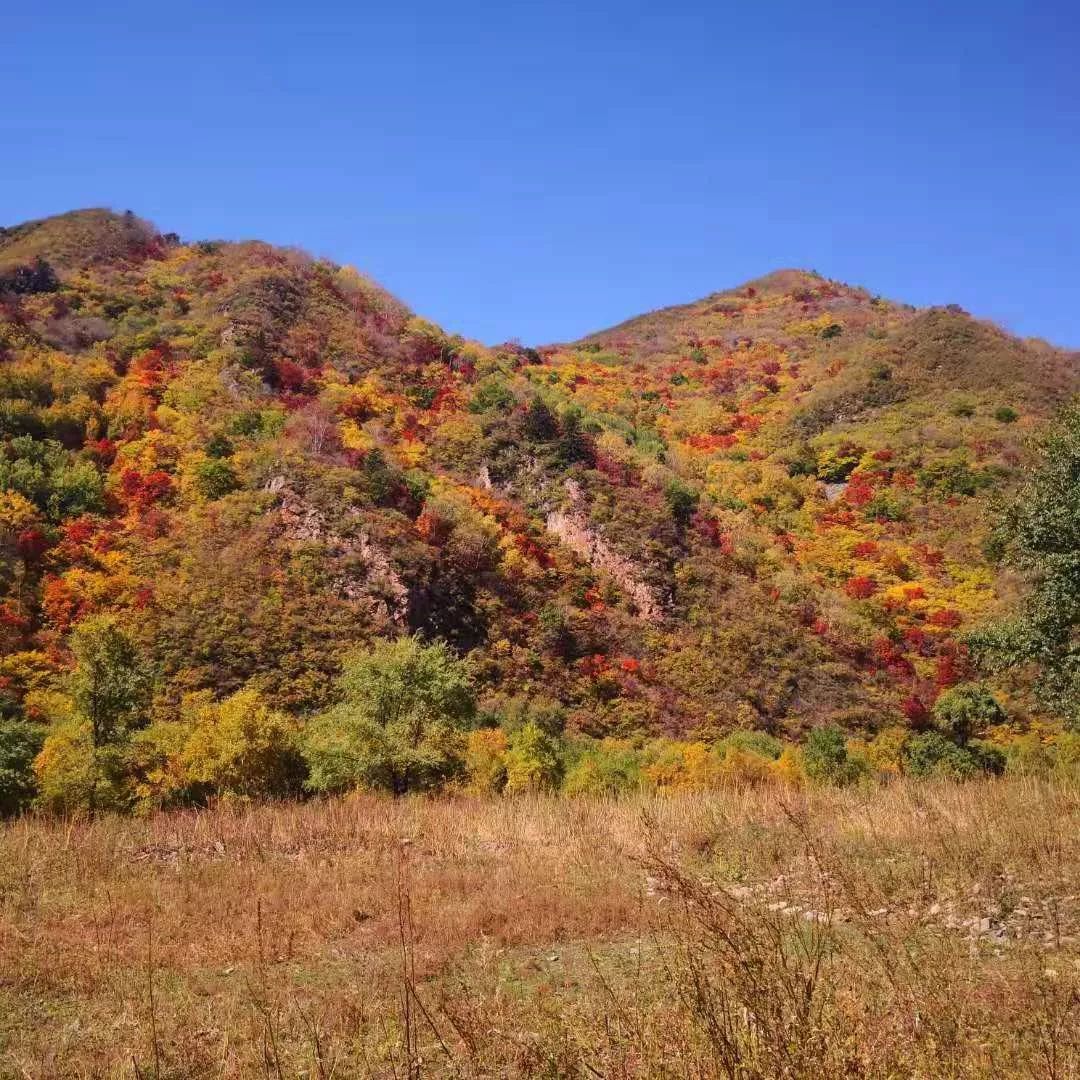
(765, 509)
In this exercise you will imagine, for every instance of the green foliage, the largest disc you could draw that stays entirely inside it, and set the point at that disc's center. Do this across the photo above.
(110, 692)
(492, 395)
(954, 478)
(754, 742)
(965, 711)
(49, 476)
(111, 684)
(219, 446)
(826, 759)
(20, 743)
(931, 754)
(1040, 535)
(681, 501)
(1006, 414)
(605, 768)
(399, 726)
(215, 478)
(532, 762)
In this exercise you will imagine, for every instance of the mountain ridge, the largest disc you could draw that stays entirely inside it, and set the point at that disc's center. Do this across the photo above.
(763, 509)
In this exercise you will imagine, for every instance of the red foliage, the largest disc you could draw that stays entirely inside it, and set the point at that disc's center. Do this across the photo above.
(150, 369)
(915, 710)
(13, 619)
(291, 377)
(859, 490)
(102, 451)
(143, 490)
(532, 550)
(890, 657)
(32, 544)
(613, 469)
(953, 666)
(712, 442)
(60, 604)
(860, 587)
(433, 528)
(630, 665)
(593, 667)
(865, 549)
(946, 617)
(883, 455)
(914, 592)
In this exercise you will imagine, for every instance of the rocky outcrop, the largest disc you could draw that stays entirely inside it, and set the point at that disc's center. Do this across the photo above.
(375, 583)
(572, 527)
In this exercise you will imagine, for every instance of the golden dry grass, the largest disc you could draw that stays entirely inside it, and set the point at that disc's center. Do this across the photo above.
(916, 930)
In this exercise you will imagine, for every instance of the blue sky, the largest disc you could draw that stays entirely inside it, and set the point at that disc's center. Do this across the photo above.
(540, 170)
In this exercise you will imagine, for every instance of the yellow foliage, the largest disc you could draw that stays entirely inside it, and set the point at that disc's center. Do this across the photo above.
(16, 511)
(64, 768)
(240, 746)
(788, 768)
(684, 766)
(883, 752)
(485, 761)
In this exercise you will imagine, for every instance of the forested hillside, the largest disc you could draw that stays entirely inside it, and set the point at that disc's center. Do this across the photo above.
(228, 467)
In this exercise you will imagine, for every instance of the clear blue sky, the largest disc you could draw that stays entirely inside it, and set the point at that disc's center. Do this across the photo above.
(539, 170)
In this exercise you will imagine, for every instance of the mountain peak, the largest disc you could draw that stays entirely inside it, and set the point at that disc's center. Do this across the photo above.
(77, 238)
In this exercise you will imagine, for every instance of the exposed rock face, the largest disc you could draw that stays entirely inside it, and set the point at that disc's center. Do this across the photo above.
(573, 529)
(375, 583)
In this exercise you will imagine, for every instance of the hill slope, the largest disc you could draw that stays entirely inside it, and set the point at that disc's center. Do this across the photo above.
(764, 509)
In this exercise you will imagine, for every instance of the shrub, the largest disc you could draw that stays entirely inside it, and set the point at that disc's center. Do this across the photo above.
(20, 743)
(885, 752)
(75, 777)
(400, 724)
(485, 761)
(744, 767)
(964, 711)
(532, 762)
(691, 766)
(215, 478)
(788, 768)
(933, 755)
(754, 742)
(608, 768)
(826, 760)
(240, 746)
(1006, 414)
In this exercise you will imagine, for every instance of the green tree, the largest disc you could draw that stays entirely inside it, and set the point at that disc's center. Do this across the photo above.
(532, 762)
(400, 724)
(1040, 535)
(110, 689)
(20, 743)
(826, 759)
(215, 478)
(964, 711)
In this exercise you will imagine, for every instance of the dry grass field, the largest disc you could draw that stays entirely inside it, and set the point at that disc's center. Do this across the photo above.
(914, 930)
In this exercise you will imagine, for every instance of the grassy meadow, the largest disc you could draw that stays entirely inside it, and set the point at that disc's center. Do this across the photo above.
(917, 929)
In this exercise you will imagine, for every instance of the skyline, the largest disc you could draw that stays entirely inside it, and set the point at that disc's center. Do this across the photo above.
(544, 172)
